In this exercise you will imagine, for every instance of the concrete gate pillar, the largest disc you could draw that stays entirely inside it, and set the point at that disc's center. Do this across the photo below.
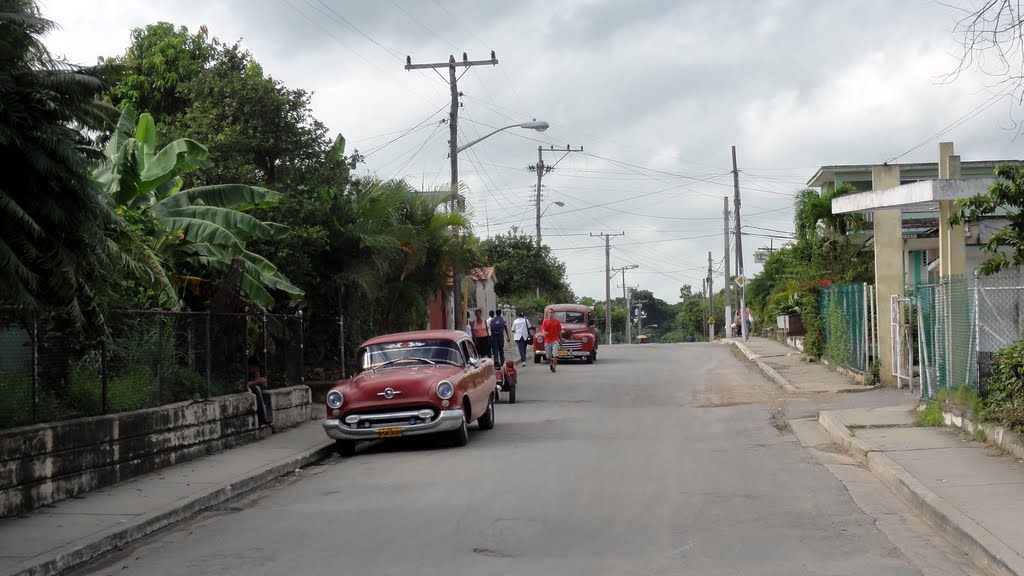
(889, 273)
(952, 246)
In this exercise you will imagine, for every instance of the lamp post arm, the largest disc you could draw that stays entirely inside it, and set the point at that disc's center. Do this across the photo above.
(478, 140)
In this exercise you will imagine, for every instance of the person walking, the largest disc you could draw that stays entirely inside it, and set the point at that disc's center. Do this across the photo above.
(499, 335)
(747, 321)
(552, 330)
(521, 330)
(481, 334)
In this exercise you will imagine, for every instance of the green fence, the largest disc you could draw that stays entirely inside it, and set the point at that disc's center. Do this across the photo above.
(946, 333)
(847, 325)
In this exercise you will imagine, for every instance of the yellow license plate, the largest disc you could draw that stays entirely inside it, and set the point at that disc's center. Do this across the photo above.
(564, 354)
(389, 432)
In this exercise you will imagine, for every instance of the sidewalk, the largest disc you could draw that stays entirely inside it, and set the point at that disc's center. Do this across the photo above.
(785, 366)
(968, 491)
(72, 532)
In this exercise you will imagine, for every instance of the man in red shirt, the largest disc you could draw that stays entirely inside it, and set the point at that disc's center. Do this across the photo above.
(552, 330)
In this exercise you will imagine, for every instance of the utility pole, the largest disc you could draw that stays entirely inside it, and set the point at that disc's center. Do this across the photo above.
(608, 280)
(711, 301)
(728, 278)
(541, 169)
(457, 204)
(639, 317)
(625, 297)
(739, 246)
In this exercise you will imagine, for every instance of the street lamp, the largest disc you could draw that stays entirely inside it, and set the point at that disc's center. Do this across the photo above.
(539, 126)
(535, 125)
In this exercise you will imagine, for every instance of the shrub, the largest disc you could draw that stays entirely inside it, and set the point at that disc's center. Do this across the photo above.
(930, 416)
(1004, 398)
(814, 340)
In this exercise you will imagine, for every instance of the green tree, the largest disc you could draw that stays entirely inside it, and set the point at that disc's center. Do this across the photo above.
(1006, 198)
(54, 241)
(522, 267)
(814, 207)
(201, 230)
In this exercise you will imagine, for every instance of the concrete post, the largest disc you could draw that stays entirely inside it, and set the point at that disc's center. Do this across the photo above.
(889, 275)
(952, 245)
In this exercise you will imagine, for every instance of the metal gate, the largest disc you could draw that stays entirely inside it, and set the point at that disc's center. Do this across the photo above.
(901, 342)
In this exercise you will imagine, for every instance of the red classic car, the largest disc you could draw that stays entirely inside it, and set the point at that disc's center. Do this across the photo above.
(413, 383)
(579, 337)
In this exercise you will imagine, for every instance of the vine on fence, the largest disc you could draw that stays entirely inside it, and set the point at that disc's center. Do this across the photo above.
(837, 340)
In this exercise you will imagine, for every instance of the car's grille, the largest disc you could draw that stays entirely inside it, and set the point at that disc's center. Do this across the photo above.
(386, 418)
(570, 344)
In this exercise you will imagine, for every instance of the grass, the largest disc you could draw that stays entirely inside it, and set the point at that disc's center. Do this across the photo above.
(980, 435)
(931, 416)
(962, 397)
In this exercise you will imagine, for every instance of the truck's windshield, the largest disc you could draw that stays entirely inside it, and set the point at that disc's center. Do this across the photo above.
(571, 317)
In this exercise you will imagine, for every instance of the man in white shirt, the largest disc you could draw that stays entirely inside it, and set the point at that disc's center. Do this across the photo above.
(521, 329)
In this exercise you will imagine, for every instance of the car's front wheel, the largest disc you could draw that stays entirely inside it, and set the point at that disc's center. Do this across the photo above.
(536, 358)
(346, 448)
(460, 436)
(486, 422)
(591, 357)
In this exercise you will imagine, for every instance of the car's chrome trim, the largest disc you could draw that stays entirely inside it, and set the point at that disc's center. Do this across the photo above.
(389, 393)
(446, 420)
(389, 415)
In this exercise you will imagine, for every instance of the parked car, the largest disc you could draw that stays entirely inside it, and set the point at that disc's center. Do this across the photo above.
(579, 337)
(412, 383)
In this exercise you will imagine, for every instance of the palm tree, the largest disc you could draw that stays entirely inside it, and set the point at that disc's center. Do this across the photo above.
(53, 243)
(813, 208)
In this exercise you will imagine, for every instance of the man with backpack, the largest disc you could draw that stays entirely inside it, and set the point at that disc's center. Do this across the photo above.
(499, 330)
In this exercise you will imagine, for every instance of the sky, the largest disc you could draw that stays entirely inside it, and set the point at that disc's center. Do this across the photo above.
(655, 92)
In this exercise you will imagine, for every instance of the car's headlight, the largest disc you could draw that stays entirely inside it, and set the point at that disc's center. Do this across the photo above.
(540, 339)
(445, 389)
(335, 399)
(585, 339)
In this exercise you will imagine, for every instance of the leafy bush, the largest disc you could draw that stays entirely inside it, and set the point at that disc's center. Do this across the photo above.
(16, 391)
(837, 343)
(962, 397)
(931, 415)
(672, 337)
(1004, 398)
(814, 340)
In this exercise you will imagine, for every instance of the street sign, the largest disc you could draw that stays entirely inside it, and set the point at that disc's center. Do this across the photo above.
(740, 281)
(711, 320)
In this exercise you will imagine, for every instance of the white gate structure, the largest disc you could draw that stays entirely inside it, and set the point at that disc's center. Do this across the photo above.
(902, 343)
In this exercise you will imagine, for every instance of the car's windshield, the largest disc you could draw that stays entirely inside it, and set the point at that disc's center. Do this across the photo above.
(406, 353)
(568, 317)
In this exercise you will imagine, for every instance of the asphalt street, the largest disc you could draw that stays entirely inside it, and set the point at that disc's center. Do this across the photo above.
(658, 459)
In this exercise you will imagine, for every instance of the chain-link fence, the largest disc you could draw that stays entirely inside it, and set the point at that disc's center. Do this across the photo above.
(946, 335)
(999, 306)
(846, 322)
(50, 371)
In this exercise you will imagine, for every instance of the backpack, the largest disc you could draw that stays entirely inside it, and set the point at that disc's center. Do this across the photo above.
(497, 325)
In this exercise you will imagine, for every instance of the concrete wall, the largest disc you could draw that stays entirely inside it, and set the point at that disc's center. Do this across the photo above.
(44, 463)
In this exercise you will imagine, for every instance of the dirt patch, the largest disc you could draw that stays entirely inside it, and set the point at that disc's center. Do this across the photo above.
(777, 418)
(724, 391)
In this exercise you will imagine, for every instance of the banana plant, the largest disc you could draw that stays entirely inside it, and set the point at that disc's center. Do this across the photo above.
(204, 228)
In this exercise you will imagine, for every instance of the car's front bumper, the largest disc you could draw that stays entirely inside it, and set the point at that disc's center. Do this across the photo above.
(573, 354)
(446, 420)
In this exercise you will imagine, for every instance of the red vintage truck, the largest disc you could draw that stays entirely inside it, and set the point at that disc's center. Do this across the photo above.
(579, 337)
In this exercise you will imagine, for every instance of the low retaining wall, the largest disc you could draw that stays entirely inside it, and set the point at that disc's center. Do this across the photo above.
(44, 463)
(1007, 440)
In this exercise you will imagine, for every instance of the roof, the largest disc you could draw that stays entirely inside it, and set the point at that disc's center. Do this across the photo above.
(567, 307)
(482, 274)
(827, 174)
(417, 334)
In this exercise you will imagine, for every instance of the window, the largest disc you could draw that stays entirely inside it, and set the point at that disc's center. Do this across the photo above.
(570, 317)
(409, 353)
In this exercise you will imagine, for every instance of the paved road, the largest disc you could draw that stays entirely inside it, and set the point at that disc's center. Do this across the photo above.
(656, 460)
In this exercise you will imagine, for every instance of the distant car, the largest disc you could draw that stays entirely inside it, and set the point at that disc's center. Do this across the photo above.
(579, 337)
(412, 383)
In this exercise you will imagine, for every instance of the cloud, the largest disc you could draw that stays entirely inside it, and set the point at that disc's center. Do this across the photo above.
(656, 93)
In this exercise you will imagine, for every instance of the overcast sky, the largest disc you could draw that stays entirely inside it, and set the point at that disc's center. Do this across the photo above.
(655, 92)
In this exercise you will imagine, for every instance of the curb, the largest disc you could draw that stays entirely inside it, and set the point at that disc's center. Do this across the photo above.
(984, 549)
(781, 380)
(78, 553)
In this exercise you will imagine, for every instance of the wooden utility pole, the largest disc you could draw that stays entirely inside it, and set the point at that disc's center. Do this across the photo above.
(608, 280)
(455, 317)
(625, 298)
(711, 301)
(739, 246)
(541, 168)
